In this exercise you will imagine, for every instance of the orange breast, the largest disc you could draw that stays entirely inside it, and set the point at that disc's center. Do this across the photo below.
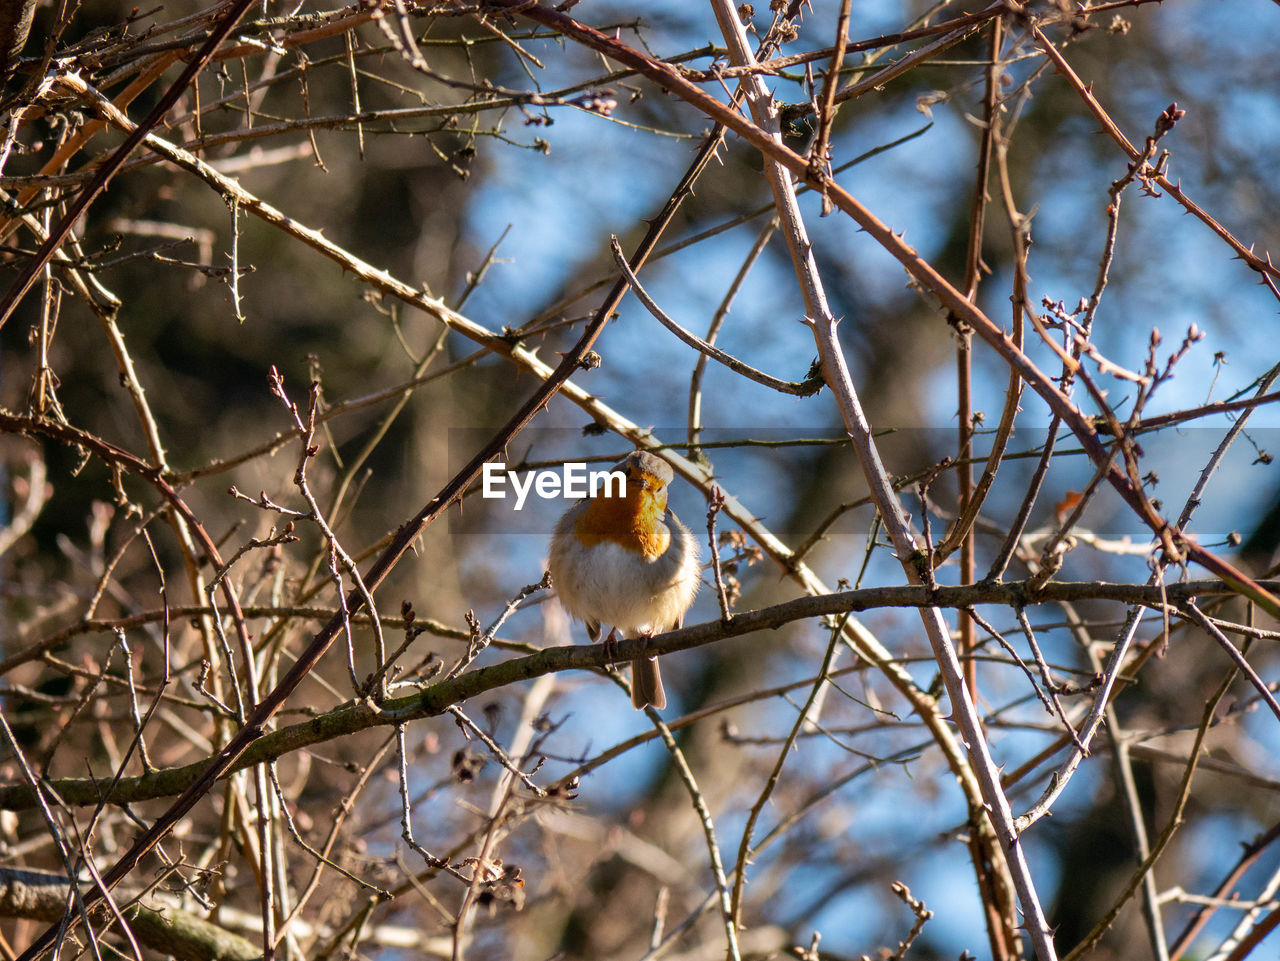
(634, 522)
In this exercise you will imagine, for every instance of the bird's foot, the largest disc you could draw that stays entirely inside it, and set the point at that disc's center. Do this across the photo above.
(610, 645)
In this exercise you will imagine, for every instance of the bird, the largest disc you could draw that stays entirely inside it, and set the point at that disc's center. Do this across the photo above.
(630, 563)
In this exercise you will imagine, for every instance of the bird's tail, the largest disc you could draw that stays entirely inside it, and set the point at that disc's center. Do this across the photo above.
(646, 684)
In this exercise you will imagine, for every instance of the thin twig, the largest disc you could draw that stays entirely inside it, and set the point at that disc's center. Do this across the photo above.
(805, 388)
(496, 750)
(1171, 826)
(714, 504)
(722, 311)
(709, 833)
(766, 790)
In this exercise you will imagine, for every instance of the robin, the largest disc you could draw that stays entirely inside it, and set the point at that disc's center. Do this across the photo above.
(628, 562)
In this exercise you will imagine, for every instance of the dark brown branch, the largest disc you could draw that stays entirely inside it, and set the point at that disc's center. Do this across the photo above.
(352, 718)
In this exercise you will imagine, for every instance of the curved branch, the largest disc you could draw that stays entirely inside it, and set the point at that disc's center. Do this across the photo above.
(805, 388)
(438, 698)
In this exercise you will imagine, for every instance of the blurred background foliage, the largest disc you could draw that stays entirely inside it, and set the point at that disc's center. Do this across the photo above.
(504, 213)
